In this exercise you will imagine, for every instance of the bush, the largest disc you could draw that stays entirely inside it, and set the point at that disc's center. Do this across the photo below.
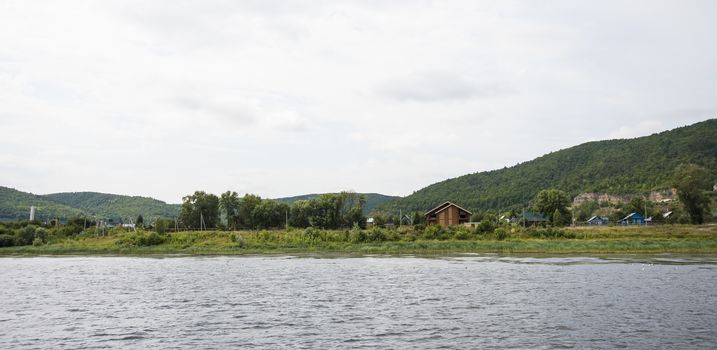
(41, 234)
(434, 232)
(37, 242)
(550, 232)
(25, 235)
(7, 240)
(462, 233)
(311, 233)
(142, 239)
(376, 235)
(486, 226)
(500, 234)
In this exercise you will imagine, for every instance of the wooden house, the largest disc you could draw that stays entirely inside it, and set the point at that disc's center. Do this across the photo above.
(447, 214)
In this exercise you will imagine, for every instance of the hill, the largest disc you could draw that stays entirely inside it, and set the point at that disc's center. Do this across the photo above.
(115, 206)
(625, 166)
(15, 205)
(372, 200)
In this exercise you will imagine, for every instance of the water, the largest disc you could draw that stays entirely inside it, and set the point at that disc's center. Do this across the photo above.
(370, 302)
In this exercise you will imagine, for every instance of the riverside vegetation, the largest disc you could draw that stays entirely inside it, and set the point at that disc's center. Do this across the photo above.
(506, 239)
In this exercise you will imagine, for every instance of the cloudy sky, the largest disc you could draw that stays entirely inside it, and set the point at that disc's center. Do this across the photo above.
(279, 98)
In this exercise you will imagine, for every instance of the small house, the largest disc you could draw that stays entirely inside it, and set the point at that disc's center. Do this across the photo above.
(597, 220)
(447, 214)
(633, 219)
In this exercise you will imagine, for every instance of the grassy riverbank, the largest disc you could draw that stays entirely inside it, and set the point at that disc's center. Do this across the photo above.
(580, 240)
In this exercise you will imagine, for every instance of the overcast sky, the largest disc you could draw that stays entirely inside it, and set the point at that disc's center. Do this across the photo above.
(280, 98)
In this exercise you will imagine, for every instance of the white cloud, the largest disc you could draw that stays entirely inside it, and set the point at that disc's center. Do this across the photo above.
(286, 97)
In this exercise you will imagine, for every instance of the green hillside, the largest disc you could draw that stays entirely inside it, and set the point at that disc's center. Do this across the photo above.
(372, 200)
(15, 205)
(115, 206)
(614, 166)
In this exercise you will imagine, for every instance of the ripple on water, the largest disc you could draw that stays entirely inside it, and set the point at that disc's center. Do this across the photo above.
(470, 301)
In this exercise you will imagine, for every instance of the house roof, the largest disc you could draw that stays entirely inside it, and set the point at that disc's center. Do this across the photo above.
(445, 205)
(632, 216)
(594, 218)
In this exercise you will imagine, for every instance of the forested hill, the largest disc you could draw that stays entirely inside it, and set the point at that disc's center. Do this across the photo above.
(623, 166)
(116, 206)
(15, 205)
(372, 200)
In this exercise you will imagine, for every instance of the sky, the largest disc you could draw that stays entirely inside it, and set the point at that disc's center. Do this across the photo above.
(281, 98)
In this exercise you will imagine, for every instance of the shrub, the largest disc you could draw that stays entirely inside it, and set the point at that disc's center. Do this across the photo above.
(462, 233)
(486, 226)
(37, 242)
(141, 239)
(376, 235)
(311, 233)
(550, 232)
(25, 235)
(434, 232)
(41, 234)
(500, 234)
(7, 240)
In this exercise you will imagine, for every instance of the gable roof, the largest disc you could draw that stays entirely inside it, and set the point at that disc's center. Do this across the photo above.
(445, 205)
(636, 216)
(596, 218)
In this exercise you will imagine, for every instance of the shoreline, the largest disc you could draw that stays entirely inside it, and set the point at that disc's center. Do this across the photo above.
(678, 239)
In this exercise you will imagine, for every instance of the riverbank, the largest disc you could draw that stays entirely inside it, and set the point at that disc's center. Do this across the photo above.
(579, 240)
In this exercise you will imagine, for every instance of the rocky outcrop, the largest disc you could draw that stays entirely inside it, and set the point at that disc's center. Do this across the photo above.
(655, 196)
(663, 195)
(599, 197)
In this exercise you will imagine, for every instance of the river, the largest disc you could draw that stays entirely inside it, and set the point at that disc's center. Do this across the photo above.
(463, 302)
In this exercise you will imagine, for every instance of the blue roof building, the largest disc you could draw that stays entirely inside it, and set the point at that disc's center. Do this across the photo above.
(597, 220)
(633, 219)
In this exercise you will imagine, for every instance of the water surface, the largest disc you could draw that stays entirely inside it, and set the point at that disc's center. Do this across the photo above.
(370, 302)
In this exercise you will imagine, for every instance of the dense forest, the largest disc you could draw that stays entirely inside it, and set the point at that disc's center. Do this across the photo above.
(372, 200)
(15, 205)
(626, 166)
(115, 206)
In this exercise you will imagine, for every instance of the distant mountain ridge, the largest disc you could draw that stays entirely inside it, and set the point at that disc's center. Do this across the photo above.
(372, 200)
(623, 166)
(15, 205)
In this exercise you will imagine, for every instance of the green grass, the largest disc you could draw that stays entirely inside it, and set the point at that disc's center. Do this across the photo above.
(587, 240)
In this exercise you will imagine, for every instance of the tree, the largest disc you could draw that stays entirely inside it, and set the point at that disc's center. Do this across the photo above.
(691, 181)
(269, 214)
(551, 200)
(229, 203)
(299, 214)
(140, 221)
(246, 210)
(197, 207)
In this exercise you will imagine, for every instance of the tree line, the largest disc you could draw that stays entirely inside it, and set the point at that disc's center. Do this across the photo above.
(229, 211)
